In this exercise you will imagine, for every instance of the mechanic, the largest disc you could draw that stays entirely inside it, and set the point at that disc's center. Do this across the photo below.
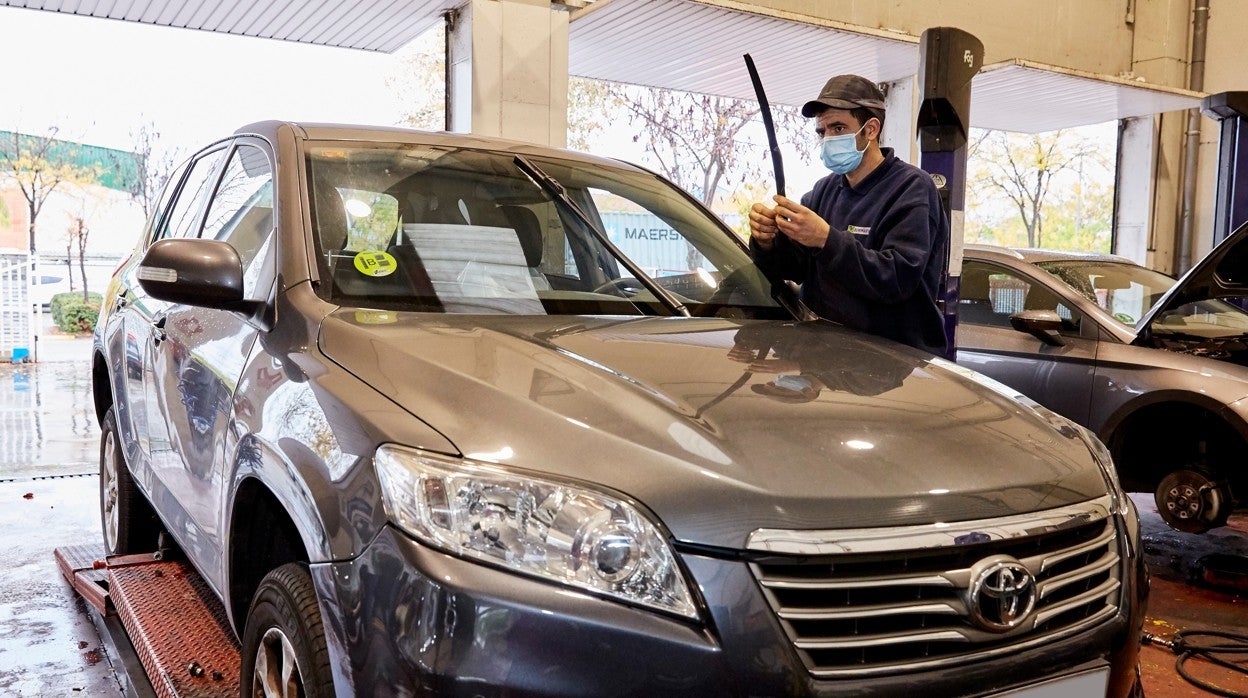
(869, 243)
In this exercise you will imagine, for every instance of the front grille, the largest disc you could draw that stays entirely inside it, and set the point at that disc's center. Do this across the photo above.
(889, 600)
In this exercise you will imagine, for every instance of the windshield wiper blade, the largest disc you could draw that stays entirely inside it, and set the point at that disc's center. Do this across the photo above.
(560, 194)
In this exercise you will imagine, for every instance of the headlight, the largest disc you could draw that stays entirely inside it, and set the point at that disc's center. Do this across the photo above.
(553, 530)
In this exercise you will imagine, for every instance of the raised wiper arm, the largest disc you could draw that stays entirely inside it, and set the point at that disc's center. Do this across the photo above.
(560, 194)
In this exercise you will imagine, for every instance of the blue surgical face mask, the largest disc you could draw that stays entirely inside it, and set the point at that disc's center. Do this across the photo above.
(840, 153)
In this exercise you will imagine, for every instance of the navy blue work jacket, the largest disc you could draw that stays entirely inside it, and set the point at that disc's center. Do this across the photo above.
(883, 265)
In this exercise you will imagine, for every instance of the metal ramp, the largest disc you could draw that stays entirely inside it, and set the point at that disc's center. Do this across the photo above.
(177, 628)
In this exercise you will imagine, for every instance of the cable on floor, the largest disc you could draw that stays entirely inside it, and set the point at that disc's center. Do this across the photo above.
(1181, 644)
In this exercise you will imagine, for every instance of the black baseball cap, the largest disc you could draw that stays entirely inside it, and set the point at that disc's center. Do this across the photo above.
(846, 92)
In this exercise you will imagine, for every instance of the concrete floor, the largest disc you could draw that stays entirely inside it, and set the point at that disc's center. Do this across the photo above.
(48, 499)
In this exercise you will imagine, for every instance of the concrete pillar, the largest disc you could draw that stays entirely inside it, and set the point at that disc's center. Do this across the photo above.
(1133, 190)
(508, 71)
(901, 104)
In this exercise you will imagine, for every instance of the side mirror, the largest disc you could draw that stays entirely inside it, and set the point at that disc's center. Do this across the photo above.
(1041, 324)
(202, 273)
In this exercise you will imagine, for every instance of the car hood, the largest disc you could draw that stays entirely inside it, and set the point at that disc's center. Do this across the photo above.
(1223, 273)
(721, 427)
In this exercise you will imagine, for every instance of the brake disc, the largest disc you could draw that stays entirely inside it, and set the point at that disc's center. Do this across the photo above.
(1192, 502)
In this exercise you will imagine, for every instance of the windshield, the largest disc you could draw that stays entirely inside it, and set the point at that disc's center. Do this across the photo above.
(455, 230)
(1126, 291)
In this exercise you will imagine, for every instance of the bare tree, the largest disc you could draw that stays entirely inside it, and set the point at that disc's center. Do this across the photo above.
(699, 141)
(419, 81)
(39, 165)
(153, 167)
(1024, 168)
(76, 248)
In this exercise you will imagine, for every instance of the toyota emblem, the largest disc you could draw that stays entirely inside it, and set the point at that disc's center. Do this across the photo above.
(1002, 593)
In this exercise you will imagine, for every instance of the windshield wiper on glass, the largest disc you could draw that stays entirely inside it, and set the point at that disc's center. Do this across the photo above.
(560, 194)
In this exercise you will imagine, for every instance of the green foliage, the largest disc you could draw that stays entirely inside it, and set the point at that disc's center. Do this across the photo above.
(1052, 190)
(419, 84)
(74, 315)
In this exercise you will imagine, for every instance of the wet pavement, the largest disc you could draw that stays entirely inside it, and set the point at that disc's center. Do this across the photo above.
(49, 462)
(49, 646)
(47, 420)
(49, 486)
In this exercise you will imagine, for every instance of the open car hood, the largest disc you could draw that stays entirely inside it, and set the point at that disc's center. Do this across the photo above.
(1223, 273)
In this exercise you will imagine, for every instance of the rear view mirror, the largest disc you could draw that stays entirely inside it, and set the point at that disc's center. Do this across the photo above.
(1041, 324)
(202, 273)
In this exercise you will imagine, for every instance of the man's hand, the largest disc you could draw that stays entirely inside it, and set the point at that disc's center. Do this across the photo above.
(763, 226)
(799, 223)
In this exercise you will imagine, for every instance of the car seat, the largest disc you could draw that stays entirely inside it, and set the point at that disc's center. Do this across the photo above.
(529, 232)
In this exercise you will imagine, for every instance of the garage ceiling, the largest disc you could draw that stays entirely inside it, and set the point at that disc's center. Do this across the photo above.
(653, 42)
(371, 25)
(692, 45)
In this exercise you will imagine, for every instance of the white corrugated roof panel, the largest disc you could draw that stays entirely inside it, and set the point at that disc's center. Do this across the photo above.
(699, 47)
(690, 45)
(371, 25)
(1019, 95)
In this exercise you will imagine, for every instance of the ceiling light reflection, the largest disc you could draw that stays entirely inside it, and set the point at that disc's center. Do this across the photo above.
(357, 208)
(503, 453)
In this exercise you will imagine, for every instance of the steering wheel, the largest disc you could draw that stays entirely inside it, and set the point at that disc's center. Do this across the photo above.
(625, 286)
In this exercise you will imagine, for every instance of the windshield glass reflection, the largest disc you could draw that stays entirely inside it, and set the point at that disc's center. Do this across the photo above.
(452, 230)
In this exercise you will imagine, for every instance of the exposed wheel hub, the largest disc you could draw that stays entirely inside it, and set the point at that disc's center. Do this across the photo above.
(1192, 502)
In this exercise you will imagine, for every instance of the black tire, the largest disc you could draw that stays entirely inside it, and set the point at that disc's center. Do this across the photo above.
(127, 521)
(284, 611)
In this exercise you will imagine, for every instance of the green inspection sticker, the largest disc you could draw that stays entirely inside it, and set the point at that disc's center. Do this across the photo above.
(375, 263)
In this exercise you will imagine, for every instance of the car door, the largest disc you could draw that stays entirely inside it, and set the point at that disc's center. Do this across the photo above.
(126, 333)
(143, 333)
(1057, 373)
(204, 351)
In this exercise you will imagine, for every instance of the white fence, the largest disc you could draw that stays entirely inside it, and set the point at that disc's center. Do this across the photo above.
(17, 325)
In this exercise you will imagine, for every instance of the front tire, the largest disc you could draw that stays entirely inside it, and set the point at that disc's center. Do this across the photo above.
(284, 652)
(125, 516)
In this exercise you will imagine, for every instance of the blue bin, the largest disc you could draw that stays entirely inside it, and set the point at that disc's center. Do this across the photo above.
(20, 355)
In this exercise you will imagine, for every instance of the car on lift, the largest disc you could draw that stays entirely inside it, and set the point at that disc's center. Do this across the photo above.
(425, 427)
(1157, 368)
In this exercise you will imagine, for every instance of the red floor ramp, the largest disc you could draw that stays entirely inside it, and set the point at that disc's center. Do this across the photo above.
(83, 567)
(177, 627)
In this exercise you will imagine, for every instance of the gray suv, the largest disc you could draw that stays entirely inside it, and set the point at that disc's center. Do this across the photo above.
(435, 414)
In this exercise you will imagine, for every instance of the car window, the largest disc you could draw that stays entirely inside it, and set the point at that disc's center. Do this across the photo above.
(241, 211)
(184, 214)
(166, 193)
(990, 294)
(1125, 291)
(468, 231)
(655, 245)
